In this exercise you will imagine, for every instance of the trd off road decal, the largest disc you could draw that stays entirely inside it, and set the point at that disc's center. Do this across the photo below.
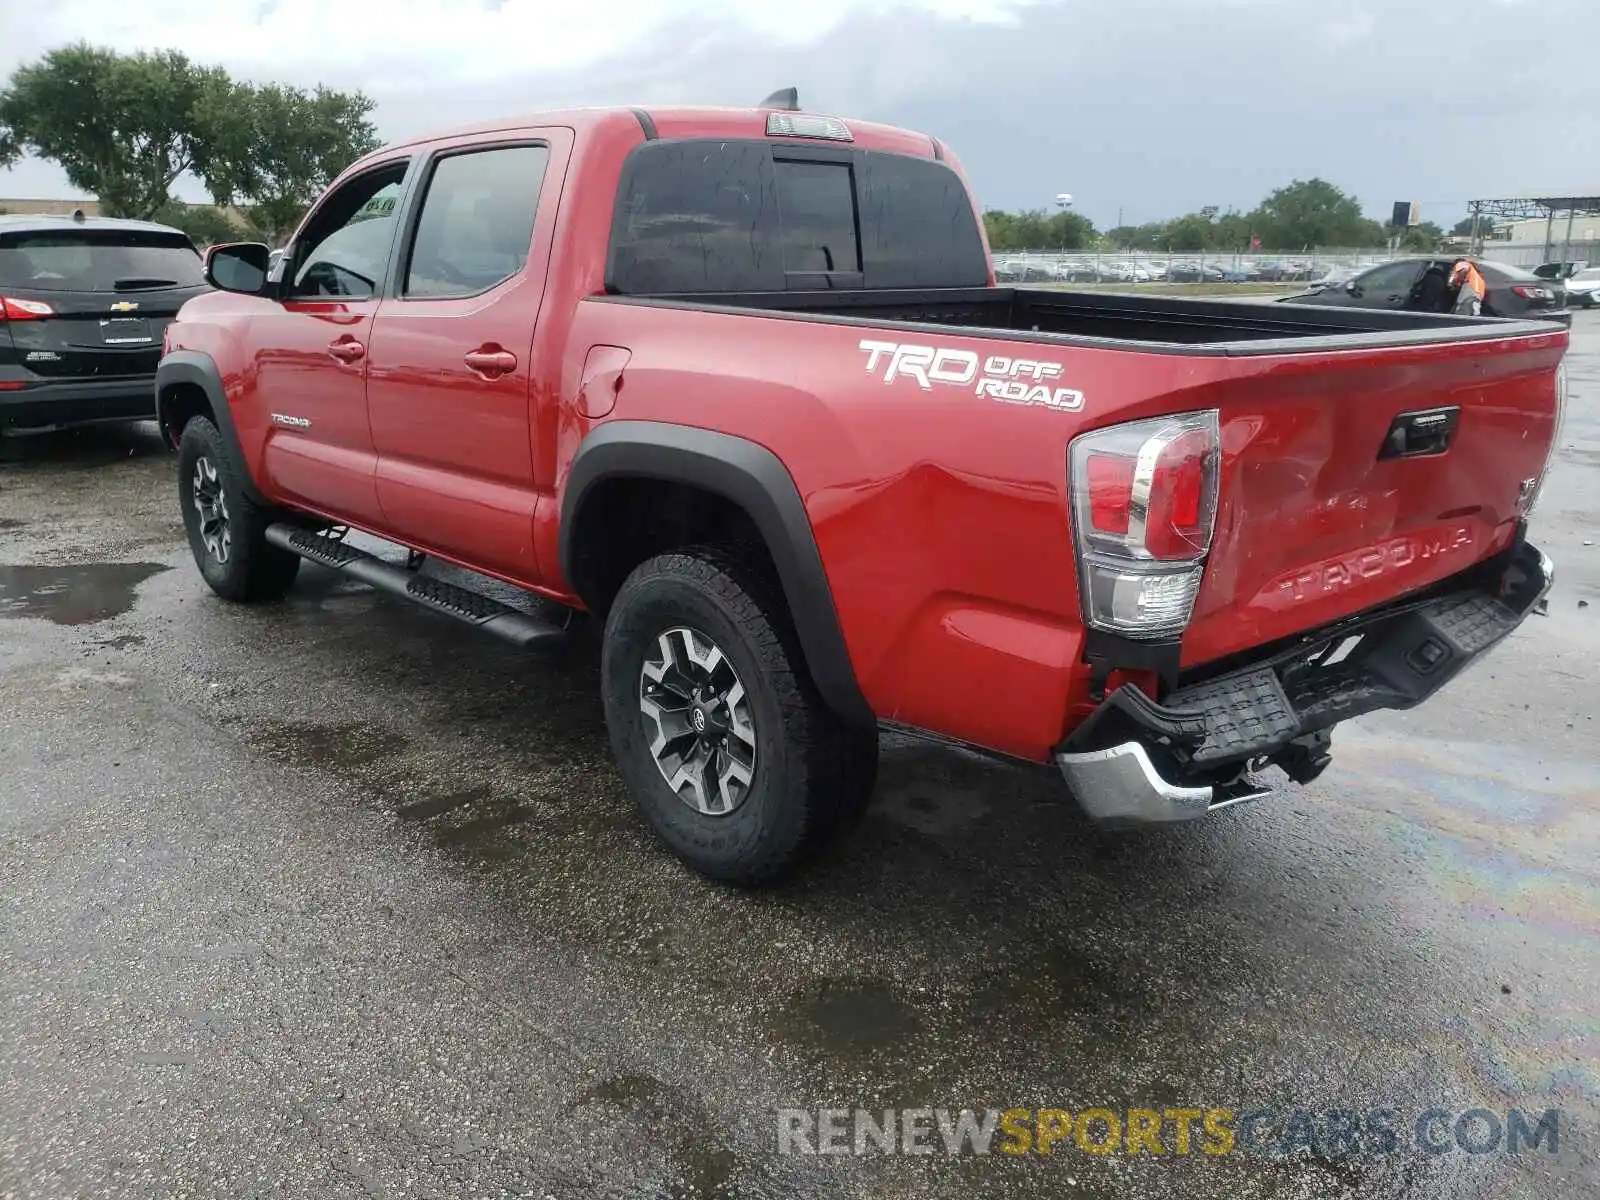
(1009, 380)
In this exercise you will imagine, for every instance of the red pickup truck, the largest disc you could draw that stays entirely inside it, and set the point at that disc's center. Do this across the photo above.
(740, 384)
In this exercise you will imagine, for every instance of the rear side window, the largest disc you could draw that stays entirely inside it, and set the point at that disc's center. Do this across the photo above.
(697, 217)
(476, 224)
(917, 224)
(756, 216)
(98, 260)
(1391, 277)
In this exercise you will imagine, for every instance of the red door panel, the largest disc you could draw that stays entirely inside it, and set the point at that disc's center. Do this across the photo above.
(311, 382)
(451, 381)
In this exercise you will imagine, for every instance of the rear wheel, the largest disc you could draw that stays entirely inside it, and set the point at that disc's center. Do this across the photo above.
(731, 755)
(227, 532)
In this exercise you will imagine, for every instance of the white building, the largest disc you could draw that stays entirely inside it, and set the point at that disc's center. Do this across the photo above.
(1529, 243)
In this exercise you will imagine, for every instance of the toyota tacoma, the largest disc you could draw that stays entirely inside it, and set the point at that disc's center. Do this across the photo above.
(740, 384)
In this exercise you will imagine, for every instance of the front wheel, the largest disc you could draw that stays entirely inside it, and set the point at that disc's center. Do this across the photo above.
(732, 756)
(227, 532)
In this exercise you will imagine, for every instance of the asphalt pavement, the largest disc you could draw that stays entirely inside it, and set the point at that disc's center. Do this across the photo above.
(337, 899)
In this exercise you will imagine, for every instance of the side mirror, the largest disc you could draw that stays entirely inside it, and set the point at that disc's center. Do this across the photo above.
(238, 267)
(1353, 288)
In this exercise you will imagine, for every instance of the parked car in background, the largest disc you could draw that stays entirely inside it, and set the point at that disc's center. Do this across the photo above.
(1513, 292)
(1582, 288)
(83, 304)
(1558, 270)
(1283, 270)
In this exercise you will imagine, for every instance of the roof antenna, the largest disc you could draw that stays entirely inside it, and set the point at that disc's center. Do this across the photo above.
(77, 215)
(787, 99)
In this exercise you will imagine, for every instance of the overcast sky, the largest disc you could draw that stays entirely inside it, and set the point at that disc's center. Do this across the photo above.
(1148, 107)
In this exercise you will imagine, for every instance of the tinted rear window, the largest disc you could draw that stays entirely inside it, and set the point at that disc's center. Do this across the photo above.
(95, 260)
(755, 216)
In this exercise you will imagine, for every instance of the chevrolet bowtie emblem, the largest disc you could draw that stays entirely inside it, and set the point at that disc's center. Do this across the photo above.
(124, 306)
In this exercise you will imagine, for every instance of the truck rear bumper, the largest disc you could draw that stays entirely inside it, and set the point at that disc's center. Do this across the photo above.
(1137, 762)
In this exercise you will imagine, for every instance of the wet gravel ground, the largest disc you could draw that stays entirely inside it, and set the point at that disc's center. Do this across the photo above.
(336, 899)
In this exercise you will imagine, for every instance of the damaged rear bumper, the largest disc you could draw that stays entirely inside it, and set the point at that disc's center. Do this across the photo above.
(1138, 762)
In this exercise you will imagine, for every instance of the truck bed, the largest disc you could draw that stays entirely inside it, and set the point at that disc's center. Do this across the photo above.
(1156, 323)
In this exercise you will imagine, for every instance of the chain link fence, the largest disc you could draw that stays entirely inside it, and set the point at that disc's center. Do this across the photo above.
(1292, 271)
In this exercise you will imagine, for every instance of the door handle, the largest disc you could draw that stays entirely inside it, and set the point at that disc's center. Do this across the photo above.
(490, 361)
(347, 350)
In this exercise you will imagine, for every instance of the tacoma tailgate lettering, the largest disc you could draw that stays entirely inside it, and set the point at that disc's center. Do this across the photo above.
(1346, 570)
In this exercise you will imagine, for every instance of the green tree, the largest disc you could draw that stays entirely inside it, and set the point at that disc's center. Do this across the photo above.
(1312, 212)
(1423, 238)
(1463, 227)
(1070, 231)
(1232, 232)
(206, 224)
(1034, 230)
(123, 127)
(126, 127)
(295, 142)
(1190, 232)
(1135, 237)
(999, 227)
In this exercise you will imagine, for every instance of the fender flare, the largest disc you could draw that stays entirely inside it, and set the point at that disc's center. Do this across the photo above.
(197, 369)
(755, 479)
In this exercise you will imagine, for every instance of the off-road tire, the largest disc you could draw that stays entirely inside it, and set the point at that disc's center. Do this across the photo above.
(251, 569)
(813, 773)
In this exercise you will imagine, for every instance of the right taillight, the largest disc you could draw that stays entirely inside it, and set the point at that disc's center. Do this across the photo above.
(1144, 500)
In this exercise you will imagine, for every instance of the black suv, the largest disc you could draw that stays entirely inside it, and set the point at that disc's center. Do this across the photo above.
(83, 304)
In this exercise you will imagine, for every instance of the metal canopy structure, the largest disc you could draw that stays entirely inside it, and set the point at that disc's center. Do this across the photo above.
(1530, 208)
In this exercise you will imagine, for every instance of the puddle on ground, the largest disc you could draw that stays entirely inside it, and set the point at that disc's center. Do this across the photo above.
(850, 1017)
(340, 747)
(74, 595)
(435, 806)
(641, 1112)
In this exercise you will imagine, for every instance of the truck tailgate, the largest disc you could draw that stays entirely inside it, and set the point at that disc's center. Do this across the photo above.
(1353, 478)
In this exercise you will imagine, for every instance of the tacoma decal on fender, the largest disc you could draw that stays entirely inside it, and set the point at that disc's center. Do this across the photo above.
(1011, 380)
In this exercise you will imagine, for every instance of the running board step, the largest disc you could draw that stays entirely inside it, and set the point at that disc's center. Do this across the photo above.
(474, 608)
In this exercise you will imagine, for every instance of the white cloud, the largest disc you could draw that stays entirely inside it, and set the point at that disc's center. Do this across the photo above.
(415, 44)
(1150, 108)
(406, 53)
